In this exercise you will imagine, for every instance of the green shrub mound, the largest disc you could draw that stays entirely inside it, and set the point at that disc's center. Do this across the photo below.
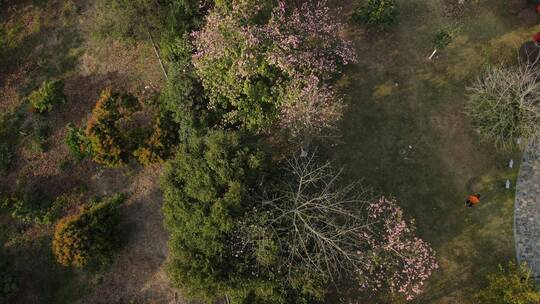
(208, 190)
(378, 14)
(89, 235)
(77, 142)
(33, 207)
(183, 95)
(131, 20)
(205, 189)
(48, 96)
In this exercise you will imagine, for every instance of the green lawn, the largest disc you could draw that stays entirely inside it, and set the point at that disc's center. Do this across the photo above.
(398, 99)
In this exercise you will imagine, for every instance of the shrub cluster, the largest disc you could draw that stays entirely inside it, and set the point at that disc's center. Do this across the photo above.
(378, 14)
(132, 20)
(88, 236)
(49, 95)
(183, 95)
(77, 142)
(112, 135)
(33, 207)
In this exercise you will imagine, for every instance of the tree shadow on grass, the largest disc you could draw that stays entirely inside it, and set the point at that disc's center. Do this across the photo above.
(137, 274)
(43, 280)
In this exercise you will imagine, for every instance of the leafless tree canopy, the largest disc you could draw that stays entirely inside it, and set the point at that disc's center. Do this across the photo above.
(504, 104)
(318, 219)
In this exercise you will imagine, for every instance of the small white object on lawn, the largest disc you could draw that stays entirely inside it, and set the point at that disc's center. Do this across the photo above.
(507, 184)
(432, 54)
(511, 164)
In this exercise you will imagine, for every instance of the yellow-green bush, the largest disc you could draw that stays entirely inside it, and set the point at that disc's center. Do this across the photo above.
(109, 145)
(89, 235)
(159, 145)
(511, 285)
(121, 128)
(49, 95)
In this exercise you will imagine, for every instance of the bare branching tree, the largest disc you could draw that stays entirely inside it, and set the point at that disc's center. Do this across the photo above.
(504, 104)
(317, 218)
(335, 230)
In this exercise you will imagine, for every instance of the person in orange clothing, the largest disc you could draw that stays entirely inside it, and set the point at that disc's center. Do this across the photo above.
(473, 200)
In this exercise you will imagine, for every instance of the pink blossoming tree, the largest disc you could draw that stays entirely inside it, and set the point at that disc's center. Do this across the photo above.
(249, 51)
(309, 108)
(404, 261)
(307, 40)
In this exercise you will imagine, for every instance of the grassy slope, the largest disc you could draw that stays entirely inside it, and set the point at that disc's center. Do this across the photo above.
(446, 162)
